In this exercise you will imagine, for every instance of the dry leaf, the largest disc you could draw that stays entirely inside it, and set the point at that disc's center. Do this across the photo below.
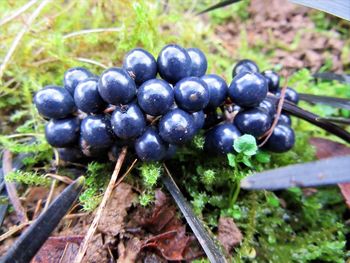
(228, 233)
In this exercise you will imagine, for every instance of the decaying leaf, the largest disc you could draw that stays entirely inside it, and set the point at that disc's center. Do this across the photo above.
(129, 252)
(96, 251)
(55, 247)
(228, 233)
(112, 219)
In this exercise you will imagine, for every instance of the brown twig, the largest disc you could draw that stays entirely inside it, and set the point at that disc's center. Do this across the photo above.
(268, 134)
(102, 206)
(11, 188)
(49, 197)
(60, 178)
(109, 109)
(37, 208)
(14, 230)
(126, 173)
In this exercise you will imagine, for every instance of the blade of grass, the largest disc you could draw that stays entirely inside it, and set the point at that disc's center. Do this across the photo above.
(210, 248)
(333, 76)
(332, 101)
(28, 244)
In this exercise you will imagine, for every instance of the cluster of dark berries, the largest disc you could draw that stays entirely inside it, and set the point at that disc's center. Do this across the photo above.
(95, 115)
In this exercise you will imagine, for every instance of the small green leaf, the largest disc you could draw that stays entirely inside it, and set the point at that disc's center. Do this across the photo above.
(231, 159)
(246, 160)
(245, 144)
(272, 200)
(263, 157)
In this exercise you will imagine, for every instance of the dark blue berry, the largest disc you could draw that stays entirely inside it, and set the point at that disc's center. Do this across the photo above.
(155, 97)
(269, 107)
(70, 154)
(62, 132)
(176, 127)
(220, 139)
(150, 147)
(141, 65)
(191, 94)
(87, 98)
(199, 63)
(116, 86)
(273, 80)
(290, 95)
(217, 90)
(281, 140)
(54, 102)
(254, 121)
(174, 63)
(128, 121)
(73, 76)
(245, 65)
(285, 119)
(248, 89)
(95, 152)
(97, 131)
(198, 119)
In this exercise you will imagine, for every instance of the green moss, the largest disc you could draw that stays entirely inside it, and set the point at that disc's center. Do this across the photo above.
(27, 178)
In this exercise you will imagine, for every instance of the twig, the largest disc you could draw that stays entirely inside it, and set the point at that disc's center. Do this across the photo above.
(93, 62)
(14, 230)
(71, 216)
(19, 11)
(20, 35)
(126, 173)
(49, 198)
(37, 208)
(106, 196)
(89, 31)
(277, 116)
(110, 109)
(11, 188)
(61, 178)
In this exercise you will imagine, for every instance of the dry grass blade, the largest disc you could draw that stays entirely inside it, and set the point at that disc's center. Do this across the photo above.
(18, 12)
(89, 31)
(93, 62)
(11, 188)
(20, 36)
(102, 206)
(13, 230)
(219, 5)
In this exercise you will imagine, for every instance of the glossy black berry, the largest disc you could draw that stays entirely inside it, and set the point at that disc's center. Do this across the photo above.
(220, 139)
(254, 121)
(290, 95)
(199, 62)
(269, 107)
(281, 140)
(155, 97)
(73, 76)
(62, 132)
(70, 154)
(285, 119)
(95, 152)
(97, 131)
(191, 94)
(116, 86)
(245, 65)
(54, 102)
(87, 98)
(174, 63)
(128, 121)
(198, 119)
(248, 89)
(141, 65)
(176, 127)
(150, 147)
(273, 80)
(217, 90)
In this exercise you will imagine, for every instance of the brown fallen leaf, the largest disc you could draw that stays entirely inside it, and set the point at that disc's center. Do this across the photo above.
(54, 247)
(228, 233)
(96, 251)
(69, 253)
(129, 252)
(327, 148)
(112, 219)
